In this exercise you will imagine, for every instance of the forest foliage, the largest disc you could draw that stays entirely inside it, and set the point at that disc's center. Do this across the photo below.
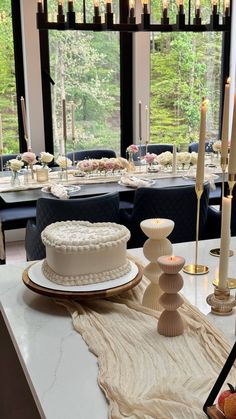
(85, 68)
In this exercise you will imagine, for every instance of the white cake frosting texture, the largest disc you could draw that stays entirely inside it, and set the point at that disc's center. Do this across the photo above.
(80, 252)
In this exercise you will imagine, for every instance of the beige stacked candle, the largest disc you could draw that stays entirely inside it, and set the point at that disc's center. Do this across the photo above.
(157, 244)
(170, 322)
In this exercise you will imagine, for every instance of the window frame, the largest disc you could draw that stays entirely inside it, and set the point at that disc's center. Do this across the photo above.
(128, 84)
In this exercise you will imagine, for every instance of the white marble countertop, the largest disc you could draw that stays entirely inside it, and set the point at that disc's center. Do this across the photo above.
(61, 371)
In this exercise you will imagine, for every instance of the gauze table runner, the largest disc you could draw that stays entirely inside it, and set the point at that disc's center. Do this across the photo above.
(143, 374)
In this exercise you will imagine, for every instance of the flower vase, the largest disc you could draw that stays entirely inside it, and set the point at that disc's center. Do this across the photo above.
(15, 181)
(27, 175)
(63, 174)
(131, 163)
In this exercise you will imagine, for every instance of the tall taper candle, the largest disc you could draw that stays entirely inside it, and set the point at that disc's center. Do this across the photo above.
(1, 135)
(232, 154)
(73, 120)
(147, 124)
(174, 160)
(24, 118)
(224, 242)
(225, 125)
(140, 119)
(64, 119)
(201, 144)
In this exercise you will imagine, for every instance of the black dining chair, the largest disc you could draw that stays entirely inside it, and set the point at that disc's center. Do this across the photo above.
(214, 216)
(178, 204)
(91, 154)
(12, 217)
(102, 208)
(153, 148)
(194, 147)
(5, 159)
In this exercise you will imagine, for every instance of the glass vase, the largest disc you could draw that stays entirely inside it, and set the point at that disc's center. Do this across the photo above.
(15, 181)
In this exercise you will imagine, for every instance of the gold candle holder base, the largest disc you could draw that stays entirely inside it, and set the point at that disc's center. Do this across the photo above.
(216, 252)
(221, 302)
(193, 269)
(231, 283)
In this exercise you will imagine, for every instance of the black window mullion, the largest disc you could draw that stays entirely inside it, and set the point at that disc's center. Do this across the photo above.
(19, 68)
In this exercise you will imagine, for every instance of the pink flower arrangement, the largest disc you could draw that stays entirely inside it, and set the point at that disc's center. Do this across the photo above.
(133, 148)
(29, 158)
(150, 157)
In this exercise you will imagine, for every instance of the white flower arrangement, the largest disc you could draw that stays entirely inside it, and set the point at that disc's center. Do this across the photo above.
(63, 162)
(46, 158)
(15, 164)
(216, 146)
(164, 159)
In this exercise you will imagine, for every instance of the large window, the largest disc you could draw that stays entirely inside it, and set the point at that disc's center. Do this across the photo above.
(85, 67)
(184, 68)
(8, 96)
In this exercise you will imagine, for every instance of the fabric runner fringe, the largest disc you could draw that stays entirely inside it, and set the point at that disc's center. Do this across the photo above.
(145, 375)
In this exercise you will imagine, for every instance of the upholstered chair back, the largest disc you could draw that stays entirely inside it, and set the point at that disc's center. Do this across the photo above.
(101, 208)
(178, 204)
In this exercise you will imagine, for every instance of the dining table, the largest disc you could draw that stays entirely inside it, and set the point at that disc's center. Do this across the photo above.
(60, 372)
(91, 185)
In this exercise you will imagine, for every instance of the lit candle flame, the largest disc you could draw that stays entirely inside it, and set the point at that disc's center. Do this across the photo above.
(228, 80)
(198, 4)
(131, 4)
(157, 220)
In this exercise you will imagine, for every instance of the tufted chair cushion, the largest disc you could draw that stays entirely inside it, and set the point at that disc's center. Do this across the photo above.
(178, 204)
(95, 209)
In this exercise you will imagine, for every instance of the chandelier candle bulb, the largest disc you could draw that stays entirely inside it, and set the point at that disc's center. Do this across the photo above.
(224, 242)
(214, 6)
(108, 6)
(201, 146)
(40, 6)
(131, 11)
(181, 7)
(225, 125)
(145, 6)
(227, 8)
(70, 6)
(165, 8)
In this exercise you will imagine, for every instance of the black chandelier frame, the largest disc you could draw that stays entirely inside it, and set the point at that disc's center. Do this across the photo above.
(67, 20)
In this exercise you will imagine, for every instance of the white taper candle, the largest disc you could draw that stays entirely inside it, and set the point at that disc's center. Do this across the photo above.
(232, 154)
(201, 144)
(225, 125)
(224, 242)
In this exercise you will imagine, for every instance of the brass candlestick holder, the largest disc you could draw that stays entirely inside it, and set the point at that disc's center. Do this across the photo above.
(221, 302)
(223, 164)
(1, 159)
(195, 268)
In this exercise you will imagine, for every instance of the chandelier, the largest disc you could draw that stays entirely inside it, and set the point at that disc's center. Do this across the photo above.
(66, 17)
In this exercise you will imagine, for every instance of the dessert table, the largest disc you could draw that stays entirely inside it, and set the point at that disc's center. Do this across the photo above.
(59, 368)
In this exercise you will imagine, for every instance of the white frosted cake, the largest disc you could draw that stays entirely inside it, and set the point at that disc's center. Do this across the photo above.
(80, 252)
